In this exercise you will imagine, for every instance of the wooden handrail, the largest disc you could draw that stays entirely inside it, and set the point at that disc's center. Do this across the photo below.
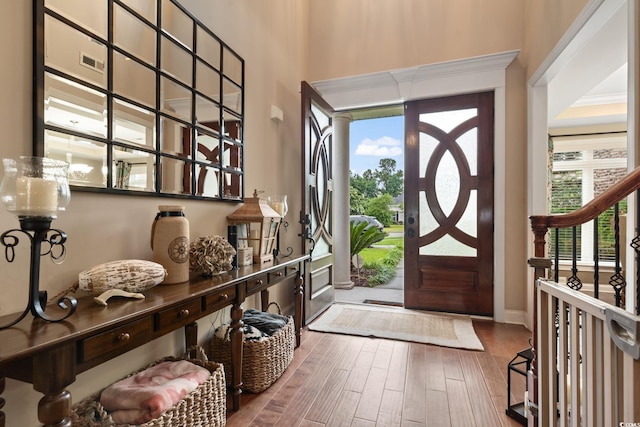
(613, 195)
(540, 224)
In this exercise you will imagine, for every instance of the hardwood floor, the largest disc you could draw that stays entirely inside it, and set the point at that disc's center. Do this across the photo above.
(339, 380)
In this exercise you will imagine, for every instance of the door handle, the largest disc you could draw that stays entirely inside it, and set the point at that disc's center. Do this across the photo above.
(305, 221)
(411, 232)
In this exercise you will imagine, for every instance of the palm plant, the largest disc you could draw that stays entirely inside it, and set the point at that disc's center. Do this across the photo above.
(362, 237)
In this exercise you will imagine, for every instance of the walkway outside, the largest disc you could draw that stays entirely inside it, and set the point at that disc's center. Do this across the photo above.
(392, 292)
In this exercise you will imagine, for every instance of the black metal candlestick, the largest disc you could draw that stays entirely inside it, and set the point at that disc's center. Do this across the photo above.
(39, 230)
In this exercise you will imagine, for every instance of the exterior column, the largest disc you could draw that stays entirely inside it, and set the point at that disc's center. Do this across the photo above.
(342, 260)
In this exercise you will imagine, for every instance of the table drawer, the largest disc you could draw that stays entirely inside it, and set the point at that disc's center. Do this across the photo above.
(276, 275)
(219, 299)
(292, 270)
(180, 315)
(116, 341)
(257, 284)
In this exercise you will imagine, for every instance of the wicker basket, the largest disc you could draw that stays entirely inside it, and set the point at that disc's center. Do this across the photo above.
(263, 361)
(204, 407)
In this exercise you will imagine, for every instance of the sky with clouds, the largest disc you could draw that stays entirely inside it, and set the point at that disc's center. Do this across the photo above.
(375, 139)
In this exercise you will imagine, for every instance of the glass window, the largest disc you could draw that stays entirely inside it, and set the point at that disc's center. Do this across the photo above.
(584, 167)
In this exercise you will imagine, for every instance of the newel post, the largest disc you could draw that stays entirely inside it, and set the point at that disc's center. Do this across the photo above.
(540, 265)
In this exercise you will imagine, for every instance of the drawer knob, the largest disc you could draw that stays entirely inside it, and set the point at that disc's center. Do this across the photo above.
(279, 274)
(224, 297)
(123, 337)
(259, 282)
(183, 313)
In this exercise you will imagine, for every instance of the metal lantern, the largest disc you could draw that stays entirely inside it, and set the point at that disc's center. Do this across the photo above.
(519, 365)
(257, 227)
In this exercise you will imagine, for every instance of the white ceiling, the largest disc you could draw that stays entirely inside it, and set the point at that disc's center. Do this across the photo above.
(591, 88)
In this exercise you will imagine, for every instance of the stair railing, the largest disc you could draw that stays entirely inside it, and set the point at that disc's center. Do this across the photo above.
(541, 263)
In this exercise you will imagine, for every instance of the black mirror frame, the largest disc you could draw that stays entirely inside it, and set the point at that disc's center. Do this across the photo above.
(230, 177)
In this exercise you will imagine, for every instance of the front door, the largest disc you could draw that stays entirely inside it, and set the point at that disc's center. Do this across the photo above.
(449, 204)
(317, 196)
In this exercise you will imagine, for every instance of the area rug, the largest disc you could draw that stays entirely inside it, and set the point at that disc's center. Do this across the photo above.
(399, 324)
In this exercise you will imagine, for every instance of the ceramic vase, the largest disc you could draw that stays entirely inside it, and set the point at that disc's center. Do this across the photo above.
(170, 243)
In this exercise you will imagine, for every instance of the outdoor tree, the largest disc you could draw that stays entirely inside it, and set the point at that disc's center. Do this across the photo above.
(357, 202)
(389, 181)
(379, 208)
(366, 184)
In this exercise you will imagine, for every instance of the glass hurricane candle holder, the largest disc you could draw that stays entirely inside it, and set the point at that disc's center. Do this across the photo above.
(35, 187)
(279, 204)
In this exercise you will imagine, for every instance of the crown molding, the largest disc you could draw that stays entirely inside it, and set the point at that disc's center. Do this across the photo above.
(395, 86)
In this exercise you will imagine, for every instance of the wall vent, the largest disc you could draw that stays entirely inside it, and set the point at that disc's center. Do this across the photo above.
(92, 63)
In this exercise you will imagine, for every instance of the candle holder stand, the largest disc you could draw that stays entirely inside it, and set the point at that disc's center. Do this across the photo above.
(276, 251)
(39, 231)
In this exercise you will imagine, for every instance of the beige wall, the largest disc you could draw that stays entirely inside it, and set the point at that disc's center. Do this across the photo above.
(281, 47)
(546, 23)
(350, 37)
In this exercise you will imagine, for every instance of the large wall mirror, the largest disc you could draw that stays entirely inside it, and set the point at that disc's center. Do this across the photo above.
(139, 97)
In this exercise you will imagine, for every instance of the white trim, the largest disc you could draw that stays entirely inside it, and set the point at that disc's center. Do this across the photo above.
(586, 25)
(442, 79)
(515, 317)
(424, 81)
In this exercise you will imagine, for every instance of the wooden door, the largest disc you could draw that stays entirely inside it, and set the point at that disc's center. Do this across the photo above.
(449, 204)
(317, 196)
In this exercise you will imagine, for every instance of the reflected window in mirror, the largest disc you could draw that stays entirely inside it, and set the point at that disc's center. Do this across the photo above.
(124, 105)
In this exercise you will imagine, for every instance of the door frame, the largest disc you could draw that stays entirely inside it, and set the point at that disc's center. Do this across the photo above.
(477, 74)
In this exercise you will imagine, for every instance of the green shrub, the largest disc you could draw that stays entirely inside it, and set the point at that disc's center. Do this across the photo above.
(385, 265)
(361, 237)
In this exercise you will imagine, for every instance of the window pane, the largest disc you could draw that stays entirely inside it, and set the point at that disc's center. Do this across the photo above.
(91, 15)
(72, 52)
(146, 8)
(176, 138)
(175, 99)
(208, 48)
(134, 125)
(177, 24)
(207, 81)
(208, 148)
(208, 181)
(176, 176)
(75, 107)
(86, 158)
(176, 61)
(133, 169)
(134, 36)
(134, 81)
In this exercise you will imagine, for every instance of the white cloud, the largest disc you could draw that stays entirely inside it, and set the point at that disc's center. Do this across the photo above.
(381, 147)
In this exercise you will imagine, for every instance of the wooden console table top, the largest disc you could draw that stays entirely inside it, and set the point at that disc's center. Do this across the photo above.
(50, 354)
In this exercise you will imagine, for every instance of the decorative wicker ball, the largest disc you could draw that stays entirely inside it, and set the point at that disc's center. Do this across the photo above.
(211, 255)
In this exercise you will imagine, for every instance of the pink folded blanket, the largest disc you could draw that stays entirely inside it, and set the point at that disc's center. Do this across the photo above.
(147, 394)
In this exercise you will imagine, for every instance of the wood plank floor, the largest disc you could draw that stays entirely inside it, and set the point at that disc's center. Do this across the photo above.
(339, 380)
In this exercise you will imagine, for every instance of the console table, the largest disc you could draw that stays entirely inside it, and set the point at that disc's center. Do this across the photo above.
(50, 355)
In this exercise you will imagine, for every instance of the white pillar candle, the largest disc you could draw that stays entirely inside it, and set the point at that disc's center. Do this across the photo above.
(36, 196)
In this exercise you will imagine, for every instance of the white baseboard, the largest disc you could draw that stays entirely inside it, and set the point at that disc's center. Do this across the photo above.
(516, 317)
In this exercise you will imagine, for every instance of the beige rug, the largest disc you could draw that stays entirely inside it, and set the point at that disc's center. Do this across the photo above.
(399, 324)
